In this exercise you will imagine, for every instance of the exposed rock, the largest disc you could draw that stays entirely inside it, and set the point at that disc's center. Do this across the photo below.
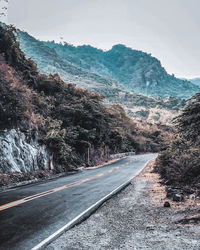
(167, 204)
(192, 196)
(175, 194)
(21, 153)
(172, 191)
(178, 197)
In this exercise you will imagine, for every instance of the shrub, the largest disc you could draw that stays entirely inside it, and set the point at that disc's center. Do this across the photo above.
(179, 164)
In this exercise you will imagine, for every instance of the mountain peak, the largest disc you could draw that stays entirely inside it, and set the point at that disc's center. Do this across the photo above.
(119, 46)
(89, 67)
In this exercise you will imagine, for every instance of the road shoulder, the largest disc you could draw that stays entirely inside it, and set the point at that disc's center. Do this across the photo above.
(135, 219)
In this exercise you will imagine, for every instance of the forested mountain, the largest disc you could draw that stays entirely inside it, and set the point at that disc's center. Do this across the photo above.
(46, 122)
(98, 71)
(49, 61)
(195, 81)
(179, 164)
(66, 123)
(136, 70)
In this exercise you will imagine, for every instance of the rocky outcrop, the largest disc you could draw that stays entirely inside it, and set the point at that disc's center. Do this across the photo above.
(20, 152)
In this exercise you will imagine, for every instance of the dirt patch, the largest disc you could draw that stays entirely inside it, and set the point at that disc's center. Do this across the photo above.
(157, 191)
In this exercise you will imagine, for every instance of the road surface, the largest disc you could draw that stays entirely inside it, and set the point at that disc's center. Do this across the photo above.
(30, 214)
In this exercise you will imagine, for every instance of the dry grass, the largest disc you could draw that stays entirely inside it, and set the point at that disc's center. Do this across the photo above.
(158, 193)
(156, 115)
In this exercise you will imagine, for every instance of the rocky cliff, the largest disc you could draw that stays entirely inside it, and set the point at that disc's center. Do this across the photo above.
(20, 152)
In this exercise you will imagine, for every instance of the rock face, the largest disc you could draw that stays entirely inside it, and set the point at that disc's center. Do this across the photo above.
(21, 153)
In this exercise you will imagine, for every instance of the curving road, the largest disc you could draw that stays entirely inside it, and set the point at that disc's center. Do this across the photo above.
(30, 214)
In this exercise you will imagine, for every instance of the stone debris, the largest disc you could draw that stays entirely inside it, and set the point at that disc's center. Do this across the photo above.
(131, 220)
(167, 204)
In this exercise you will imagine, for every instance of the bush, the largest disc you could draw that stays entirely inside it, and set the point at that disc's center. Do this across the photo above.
(179, 165)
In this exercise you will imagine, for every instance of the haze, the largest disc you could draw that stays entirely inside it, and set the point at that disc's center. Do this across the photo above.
(168, 29)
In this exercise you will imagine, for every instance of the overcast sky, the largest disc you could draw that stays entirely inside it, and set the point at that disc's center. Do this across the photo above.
(169, 29)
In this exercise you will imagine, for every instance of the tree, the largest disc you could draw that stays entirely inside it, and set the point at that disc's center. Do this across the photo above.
(188, 123)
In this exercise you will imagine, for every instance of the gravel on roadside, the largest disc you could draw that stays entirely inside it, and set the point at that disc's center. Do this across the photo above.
(135, 219)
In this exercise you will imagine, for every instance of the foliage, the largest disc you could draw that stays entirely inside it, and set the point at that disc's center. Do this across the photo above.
(179, 164)
(188, 123)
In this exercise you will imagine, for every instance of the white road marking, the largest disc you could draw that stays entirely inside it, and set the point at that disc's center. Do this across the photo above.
(78, 218)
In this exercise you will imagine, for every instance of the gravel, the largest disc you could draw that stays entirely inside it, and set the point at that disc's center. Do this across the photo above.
(131, 220)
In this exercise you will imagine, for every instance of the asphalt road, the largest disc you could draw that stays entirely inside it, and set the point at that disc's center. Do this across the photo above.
(30, 214)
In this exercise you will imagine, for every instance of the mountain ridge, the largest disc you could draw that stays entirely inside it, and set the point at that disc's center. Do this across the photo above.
(136, 70)
(195, 81)
(50, 61)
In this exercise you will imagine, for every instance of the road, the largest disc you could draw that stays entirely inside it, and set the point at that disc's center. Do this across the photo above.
(30, 214)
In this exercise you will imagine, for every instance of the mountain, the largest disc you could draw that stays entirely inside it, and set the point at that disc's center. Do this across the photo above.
(195, 81)
(89, 68)
(47, 124)
(135, 70)
(49, 61)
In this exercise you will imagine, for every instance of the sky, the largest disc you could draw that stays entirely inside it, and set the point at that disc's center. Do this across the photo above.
(168, 29)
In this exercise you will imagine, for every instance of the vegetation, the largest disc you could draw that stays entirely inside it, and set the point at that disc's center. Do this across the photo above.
(179, 164)
(135, 70)
(195, 81)
(87, 67)
(74, 124)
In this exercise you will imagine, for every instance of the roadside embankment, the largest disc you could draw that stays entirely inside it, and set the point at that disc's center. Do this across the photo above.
(16, 179)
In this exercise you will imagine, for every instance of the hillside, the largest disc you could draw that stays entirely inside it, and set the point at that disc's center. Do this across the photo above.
(136, 70)
(49, 61)
(49, 124)
(195, 81)
(83, 66)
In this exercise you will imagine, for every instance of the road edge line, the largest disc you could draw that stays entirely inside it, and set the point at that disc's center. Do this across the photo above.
(85, 214)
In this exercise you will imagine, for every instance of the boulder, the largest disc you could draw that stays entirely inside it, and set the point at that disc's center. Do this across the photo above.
(178, 197)
(167, 204)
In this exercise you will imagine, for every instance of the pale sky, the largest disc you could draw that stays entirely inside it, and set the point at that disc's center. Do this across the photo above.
(168, 29)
